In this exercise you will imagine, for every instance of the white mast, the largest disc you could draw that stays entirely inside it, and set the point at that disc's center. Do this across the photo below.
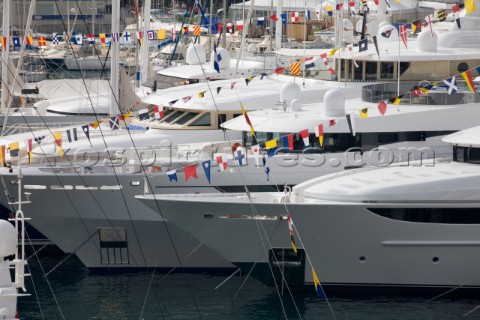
(279, 26)
(144, 50)
(114, 71)
(5, 54)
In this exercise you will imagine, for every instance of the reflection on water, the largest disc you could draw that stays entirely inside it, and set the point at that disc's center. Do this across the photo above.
(186, 296)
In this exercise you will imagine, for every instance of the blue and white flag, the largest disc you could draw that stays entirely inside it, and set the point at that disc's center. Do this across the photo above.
(206, 167)
(127, 37)
(284, 18)
(86, 130)
(16, 41)
(240, 157)
(451, 85)
(261, 21)
(115, 36)
(114, 123)
(55, 39)
(79, 38)
(307, 14)
(172, 175)
(151, 35)
(309, 63)
(267, 168)
(216, 59)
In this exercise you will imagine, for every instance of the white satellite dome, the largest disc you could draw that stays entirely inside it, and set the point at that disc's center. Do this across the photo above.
(427, 42)
(8, 239)
(387, 33)
(224, 62)
(195, 55)
(334, 103)
(289, 92)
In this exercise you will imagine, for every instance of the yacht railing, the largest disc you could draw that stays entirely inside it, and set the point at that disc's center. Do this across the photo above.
(23, 127)
(438, 95)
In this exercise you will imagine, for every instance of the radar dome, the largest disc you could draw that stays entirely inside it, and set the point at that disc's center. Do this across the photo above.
(195, 55)
(289, 92)
(387, 33)
(8, 239)
(334, 103)
(427, 42)
(224, 62)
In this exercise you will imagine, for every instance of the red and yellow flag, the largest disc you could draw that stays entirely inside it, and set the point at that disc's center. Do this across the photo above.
(295, 68)
(42, 42)
(102, 39)
(319, 134)
(247, 119)
(95, 124)
(58, 143)
(468, 78)
(197, 31)
(4, 43)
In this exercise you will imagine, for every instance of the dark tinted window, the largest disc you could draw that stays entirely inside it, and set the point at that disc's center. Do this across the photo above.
(431, 215)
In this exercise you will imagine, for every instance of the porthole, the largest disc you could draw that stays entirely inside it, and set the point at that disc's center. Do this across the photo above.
(362, 259)
(208, 216)
(435, 259)
(462, 67)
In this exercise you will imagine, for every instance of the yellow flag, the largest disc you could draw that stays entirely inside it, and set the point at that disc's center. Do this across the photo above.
(333, 52)
(271, 144)
(14, 148)
(2, 156)
(470, 6)
(161, 34)
(201, 94)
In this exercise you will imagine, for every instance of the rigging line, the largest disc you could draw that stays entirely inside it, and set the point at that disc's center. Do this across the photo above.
(310, 261)
(253, 209)
(185, 258)
(109, 154)
(275, 259)
(227, 279)
(97, 54)
(31, 276)
(148, 290)
(49, 287)
(455, 288)
(250, 200)
(68, 256)
(79, 175)
(244, 35)
(471, 311)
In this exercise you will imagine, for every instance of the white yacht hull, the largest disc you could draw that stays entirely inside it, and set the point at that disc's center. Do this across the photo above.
(348, 245)
(65, 204)
(72, 219)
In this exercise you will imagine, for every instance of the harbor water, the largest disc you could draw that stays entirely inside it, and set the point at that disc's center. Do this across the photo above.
(71, 292)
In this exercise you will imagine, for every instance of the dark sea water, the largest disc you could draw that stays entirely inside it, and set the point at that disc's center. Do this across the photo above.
(72, 293)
